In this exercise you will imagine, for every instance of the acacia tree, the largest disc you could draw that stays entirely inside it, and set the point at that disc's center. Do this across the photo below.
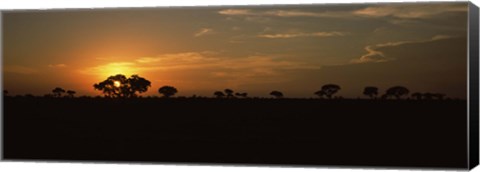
(137, 84)
(119, 86)
(277, 94)
(371, 91)
(219, 94)
(397, 91)
(244, 95)
(71, 93)
(229, 93)
(330, 89)
(428, 96)
(57, 92)
(167, 91)
(439, 96)
(319, 93)
(417, 96)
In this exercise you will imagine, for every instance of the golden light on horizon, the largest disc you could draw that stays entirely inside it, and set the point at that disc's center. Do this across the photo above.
(104, 71)
(117, 68)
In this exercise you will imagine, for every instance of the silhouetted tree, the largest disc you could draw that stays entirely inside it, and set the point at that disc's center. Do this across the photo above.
(112, 86)
(439, 96)
(121, 86)
(219, 94)
(167, 91)
(71, 93)
(57, 92)
(320, 93)
(330, 89)
(244, 95)
(48, 95)
(229, 93)
(417, 96)
(397, 91)
(428, 96)
(277, 94)
(371, 91)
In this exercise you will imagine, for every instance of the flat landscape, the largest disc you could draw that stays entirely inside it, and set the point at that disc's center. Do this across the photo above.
(353, 132)
(380, 84)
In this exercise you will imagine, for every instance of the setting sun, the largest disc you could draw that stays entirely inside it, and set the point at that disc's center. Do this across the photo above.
(116, 83)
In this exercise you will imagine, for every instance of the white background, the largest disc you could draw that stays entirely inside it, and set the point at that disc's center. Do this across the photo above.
(85, 167)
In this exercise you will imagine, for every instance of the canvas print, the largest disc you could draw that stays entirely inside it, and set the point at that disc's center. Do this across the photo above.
(310, 85)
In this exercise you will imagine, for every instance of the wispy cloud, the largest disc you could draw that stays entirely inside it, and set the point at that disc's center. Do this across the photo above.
(409, 11)
(211, 60)
(282, 13)
(184, 60)
(301, 34)
(300, 13)
(61, 65)
(404, 11)
(212, 64)
(19, 69)
(202, 32)
(372, 56)
(375, 55)
(236, 12)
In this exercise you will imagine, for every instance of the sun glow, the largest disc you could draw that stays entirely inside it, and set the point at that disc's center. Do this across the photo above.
(116, 83)
(111, 69)
(117, 68)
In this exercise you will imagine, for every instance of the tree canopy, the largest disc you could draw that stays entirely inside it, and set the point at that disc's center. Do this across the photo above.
(370, 91)
(167, 91)
(330, 89)
(397, 91)
(57, 92)
(119, 86)
(277, 94)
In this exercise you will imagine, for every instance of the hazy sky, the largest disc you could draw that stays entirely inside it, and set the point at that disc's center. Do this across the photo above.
(254, 49)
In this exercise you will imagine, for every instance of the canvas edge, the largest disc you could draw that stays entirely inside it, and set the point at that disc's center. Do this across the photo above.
(1, 87)
(473, 86)
(259, 5)
(472, 82)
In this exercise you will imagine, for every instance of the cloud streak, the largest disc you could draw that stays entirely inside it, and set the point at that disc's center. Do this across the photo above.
(236, 12)
(61, 65)
(213, 60)
(301, 34)
(404, 11)
(374, 55)
(283, 13)
(408, 11)
(211, 64)
(202, 32)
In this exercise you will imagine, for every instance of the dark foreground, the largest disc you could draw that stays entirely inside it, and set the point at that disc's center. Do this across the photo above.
(252, 131)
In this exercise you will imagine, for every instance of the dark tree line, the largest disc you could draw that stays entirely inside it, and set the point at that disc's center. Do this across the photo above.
(119, 86)
(60, 92)
(229, 93)
(428, 96)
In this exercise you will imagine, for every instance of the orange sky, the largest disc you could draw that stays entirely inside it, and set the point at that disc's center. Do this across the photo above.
(295, 49)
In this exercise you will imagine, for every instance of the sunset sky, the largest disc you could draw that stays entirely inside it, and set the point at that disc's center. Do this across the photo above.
(254, 49)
